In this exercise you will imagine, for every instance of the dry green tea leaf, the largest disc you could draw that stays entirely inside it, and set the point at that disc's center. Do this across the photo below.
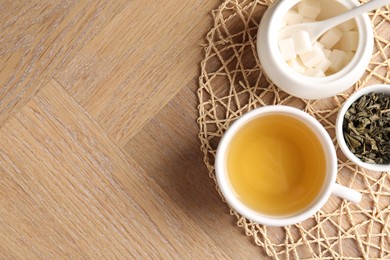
(367, 128)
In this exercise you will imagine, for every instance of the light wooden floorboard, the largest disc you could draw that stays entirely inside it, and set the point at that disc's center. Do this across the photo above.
(138, 63)
(165, 150)
(68, 190)
(37, 38)
(99, 148)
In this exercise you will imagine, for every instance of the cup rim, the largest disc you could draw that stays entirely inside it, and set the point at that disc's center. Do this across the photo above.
(383, 88)
(323, 194)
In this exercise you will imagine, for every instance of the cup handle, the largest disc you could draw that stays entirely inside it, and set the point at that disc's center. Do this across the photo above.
(346, 193)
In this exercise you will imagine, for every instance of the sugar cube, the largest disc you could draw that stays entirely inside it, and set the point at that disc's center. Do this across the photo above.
(323, 65)
(338, 59)
(327, 52)
(313, 57)
(318, 44)
(347, 26)
(302, 42)
(350, 55)
(287, 49)
(297, 65)
(330, 38)
(282, 23)
(349, 41)
(314, 73)
(292, 17)
(308, 20)
(309, 8)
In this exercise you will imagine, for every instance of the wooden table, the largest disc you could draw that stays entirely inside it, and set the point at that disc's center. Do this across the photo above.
(99, 153)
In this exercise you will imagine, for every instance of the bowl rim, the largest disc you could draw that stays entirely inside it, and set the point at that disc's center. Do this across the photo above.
(297, 84)
(363, 26)
(379, 88)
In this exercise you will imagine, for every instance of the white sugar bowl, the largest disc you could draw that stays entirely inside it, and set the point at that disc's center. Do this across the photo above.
(303, 84)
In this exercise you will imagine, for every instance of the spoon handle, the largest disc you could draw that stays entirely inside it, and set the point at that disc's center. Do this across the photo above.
(352, 13)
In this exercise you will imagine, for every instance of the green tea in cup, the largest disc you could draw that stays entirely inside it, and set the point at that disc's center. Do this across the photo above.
(277, 165)
(275, 159)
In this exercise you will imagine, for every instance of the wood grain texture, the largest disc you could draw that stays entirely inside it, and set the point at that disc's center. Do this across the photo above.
(171, 157)
(138, 63)
(37, 38)
(99, 153)
(69, 191)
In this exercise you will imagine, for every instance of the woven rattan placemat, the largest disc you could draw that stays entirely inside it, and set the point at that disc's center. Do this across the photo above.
(232, 83)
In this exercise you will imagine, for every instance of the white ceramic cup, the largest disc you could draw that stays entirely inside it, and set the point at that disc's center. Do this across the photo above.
(295, 83)
(329, 185)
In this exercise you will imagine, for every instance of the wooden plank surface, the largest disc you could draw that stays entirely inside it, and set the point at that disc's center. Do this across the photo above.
(37, 38)
(145, 56)
(99, 155)
(69, 190)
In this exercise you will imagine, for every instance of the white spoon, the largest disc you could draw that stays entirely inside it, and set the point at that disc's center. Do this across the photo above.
(316, 29)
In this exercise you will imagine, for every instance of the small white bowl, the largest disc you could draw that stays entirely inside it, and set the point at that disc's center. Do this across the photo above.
(295, 83)
(380, 88)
